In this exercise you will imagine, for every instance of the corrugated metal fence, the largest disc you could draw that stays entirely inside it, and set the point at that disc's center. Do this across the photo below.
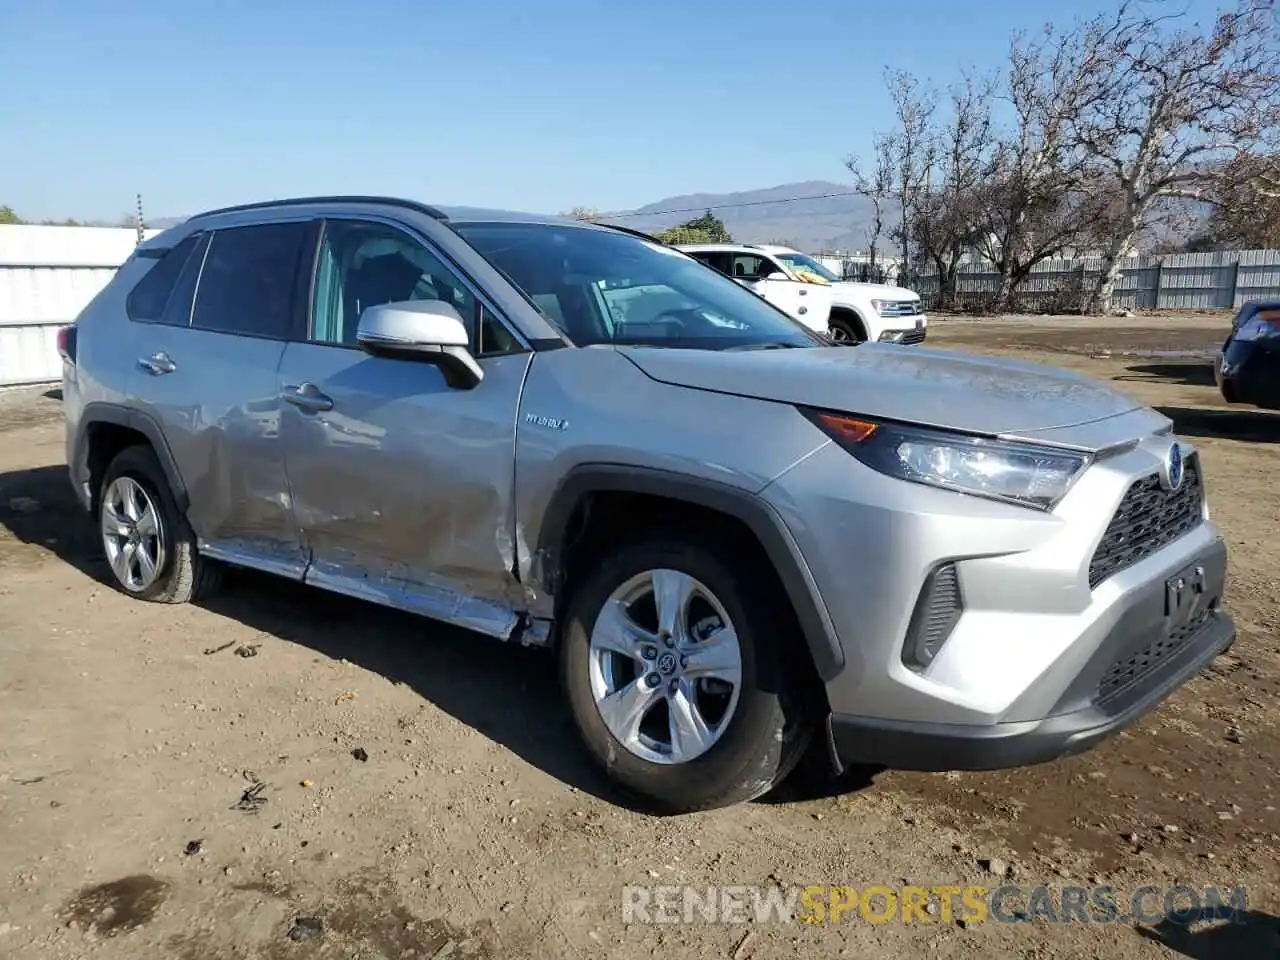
(47, 276)
(1182, 281)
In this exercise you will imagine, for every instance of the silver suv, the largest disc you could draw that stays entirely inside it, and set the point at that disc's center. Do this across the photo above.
(735, 534)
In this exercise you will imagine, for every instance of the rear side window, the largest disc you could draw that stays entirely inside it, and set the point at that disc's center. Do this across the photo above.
(250, 278)
(749, 267)
(147, 301)
(716, 259)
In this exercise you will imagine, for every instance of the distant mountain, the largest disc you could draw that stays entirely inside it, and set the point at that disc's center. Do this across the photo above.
(827, 218)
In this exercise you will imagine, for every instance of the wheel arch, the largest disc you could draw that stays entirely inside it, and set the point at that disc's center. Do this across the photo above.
(852, 314)
(107, 428)
(571, 504)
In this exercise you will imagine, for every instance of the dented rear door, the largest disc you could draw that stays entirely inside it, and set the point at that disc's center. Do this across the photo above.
(205, 373)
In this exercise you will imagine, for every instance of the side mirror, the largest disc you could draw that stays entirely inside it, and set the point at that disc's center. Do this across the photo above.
(776, 275)
(429, 331)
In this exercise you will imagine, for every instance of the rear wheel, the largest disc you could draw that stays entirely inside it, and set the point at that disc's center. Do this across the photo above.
(148, 544)
(670, 659)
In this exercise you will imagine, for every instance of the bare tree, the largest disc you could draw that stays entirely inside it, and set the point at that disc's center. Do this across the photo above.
(948, 222)
(1161, 107)
(914, 143)
(1246, 206)
(877, 185)
(1035, 204)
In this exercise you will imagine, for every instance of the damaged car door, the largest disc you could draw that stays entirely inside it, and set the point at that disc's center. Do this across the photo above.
(401, 483)
(213, 316)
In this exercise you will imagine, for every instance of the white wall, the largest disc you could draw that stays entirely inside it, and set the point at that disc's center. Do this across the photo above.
(47, 276)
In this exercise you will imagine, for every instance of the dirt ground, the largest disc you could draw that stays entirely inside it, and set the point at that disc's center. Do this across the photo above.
(419, 791)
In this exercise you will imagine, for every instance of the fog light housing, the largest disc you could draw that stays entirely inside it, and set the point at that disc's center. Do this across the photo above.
(891, 336)
(937, 612)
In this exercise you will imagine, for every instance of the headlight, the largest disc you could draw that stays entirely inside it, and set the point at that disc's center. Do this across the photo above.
(1020, 473)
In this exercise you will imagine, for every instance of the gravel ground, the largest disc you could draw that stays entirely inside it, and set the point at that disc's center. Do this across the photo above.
(282, 773)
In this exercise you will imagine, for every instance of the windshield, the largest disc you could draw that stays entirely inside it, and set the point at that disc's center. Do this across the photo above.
(604, 287)
(803, 263)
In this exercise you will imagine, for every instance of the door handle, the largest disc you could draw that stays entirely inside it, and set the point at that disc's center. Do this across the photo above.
(157, 364)
(307, 396)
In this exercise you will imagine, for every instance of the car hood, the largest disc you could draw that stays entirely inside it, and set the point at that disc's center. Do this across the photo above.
(880, 291)
(930, 387)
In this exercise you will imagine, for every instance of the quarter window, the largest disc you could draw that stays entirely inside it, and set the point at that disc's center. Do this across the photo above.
(149, 301)
(249, 278)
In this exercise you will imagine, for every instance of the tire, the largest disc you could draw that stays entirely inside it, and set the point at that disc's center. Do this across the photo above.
(846, 328)
(758, 742)
(180, 574)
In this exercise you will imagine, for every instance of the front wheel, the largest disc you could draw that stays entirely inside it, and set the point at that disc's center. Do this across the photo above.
(845, 331)
(670, 659)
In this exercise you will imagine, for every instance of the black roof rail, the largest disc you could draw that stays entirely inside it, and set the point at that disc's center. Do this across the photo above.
(632, 231)
(430, 211)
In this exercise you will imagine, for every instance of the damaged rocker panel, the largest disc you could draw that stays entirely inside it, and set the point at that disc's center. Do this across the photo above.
(435, 601)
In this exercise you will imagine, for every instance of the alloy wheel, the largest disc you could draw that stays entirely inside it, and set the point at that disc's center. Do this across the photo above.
(132, 534)
(665, 666)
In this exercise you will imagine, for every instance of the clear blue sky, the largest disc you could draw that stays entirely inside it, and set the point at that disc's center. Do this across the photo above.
(535, 105)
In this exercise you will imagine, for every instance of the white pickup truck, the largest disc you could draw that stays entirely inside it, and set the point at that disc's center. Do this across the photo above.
(807, 290)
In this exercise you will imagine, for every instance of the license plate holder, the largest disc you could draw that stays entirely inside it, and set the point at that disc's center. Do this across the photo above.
(1185, 594)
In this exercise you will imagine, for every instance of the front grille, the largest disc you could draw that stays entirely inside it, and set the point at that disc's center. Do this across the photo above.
(1123, 674)
(1148, 519)
(899, 308)
(913, 336)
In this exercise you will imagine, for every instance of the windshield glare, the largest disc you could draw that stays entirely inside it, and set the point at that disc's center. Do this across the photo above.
(798, 262)
(604, 287)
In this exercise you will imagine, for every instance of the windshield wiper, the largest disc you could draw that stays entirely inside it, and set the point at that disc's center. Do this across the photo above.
(771, 345)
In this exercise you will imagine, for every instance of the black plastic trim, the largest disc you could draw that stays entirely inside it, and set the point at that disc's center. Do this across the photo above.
(100, 412)
(759, 517)
(430, 211)
(923, 625)
(937, 747)
(632, 231)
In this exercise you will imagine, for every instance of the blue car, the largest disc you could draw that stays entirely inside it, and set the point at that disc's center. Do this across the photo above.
(1248, 371)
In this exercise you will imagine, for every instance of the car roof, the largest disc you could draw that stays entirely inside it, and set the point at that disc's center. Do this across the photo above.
(722, 247)
(451, 214)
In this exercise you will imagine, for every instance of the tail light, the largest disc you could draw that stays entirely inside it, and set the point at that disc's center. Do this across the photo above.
(67, 343)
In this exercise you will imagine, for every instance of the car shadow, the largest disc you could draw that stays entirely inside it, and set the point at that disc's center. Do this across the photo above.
(1252, 426)
(1197, 373)
(1236, 935)
(508, 693)
(812, 779)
